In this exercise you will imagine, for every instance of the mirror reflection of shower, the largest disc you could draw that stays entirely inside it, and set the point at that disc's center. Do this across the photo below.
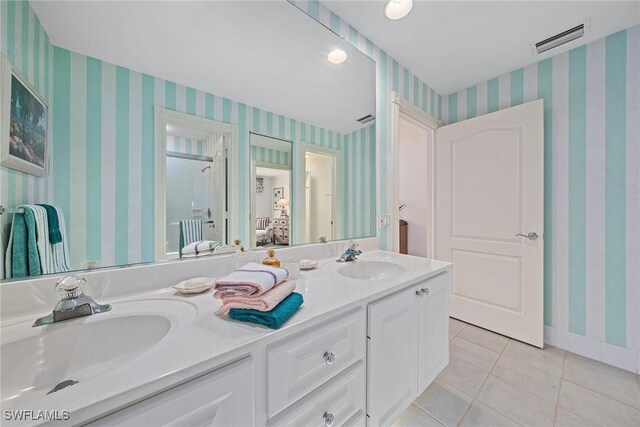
(194, 194)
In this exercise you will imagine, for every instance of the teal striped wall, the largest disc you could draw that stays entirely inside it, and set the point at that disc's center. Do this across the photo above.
(188, 146)
(270, 156)
(390, 77)
(359, 163)
(27, 46)
(102, 124)
(592, 180)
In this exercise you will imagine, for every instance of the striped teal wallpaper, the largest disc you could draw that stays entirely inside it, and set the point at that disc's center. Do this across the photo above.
(268, 156)
(592, 180)
(359, 163)
(102, 126)
(27, 46)
(390, 77)
(187, 146)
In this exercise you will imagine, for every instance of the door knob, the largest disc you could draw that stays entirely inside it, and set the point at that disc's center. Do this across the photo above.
(531, 236)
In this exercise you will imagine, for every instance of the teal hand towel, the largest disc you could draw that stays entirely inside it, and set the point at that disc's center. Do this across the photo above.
(55, 236)
(25, 259)
(274, 318)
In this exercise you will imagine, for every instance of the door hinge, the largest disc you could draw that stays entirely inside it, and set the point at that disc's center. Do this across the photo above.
(1, 209)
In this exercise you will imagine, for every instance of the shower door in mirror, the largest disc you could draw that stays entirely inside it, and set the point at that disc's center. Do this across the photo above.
(195, 174)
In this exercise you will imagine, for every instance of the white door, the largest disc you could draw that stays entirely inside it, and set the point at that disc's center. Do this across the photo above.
(489, 193)
(219, 210)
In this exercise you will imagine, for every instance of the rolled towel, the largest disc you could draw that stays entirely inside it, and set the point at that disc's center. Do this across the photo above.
(265, 302)
(203, 247)
(252, 279)
(272, 319)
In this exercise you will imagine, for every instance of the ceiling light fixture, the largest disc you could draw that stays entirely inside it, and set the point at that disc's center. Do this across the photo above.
(337, 56)
(397, 9)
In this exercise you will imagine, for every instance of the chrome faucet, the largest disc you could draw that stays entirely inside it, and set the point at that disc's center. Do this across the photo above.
(350, 253)
(73, 302)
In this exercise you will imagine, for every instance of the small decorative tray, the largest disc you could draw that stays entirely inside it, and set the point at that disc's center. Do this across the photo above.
(308, 264)
(195, 285)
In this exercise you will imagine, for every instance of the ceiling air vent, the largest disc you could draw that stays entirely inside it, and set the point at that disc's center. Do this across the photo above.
(366, 119)
(560, 39)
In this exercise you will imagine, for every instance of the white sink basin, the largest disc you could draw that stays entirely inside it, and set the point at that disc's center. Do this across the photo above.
(371, 270)
(35, 360)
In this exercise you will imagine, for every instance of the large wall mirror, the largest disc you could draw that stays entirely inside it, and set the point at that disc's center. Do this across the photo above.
(131, 143)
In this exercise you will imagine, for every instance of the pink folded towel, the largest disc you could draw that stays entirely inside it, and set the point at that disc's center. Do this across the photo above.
(252, 279)
(265, 302)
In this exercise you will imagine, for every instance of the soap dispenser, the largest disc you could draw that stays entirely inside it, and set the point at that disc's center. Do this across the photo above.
(271, 259)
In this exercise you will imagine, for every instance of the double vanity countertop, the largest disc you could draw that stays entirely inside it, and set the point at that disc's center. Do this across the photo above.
(182, 337)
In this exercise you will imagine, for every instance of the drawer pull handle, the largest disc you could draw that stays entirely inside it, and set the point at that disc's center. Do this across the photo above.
(425, 291)
(420, 293)
(328, 419)
(329, 358)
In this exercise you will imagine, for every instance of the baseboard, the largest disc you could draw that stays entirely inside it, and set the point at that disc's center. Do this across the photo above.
(620, 357)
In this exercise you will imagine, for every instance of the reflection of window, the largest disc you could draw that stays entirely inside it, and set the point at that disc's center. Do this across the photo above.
(259, 185)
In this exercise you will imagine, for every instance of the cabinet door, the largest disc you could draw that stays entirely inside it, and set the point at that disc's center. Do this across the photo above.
(392, 356)
(224, 397)
(433, 329)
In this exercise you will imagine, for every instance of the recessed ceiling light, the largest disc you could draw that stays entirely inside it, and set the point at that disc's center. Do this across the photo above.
(397, 9)
(337, 56)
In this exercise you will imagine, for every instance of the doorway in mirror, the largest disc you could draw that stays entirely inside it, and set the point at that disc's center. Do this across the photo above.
(320, 192)
(323, 193)
(272, 194)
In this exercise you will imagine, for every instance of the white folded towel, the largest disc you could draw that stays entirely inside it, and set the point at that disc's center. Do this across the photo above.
(202, 247)
(252, 279)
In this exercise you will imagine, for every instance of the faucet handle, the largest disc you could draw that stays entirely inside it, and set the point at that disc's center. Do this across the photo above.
(71, 286)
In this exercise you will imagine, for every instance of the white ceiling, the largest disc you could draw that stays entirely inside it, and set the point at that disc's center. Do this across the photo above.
(267, 54)
(452, 45)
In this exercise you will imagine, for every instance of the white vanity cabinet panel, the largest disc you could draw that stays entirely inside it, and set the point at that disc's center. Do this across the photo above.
(433, 330)
(408, 346)
(298, 365)
(336, 403)
(224, 397)
(392, 356)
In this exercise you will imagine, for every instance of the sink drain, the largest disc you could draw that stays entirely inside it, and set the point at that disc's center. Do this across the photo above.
(63, 384)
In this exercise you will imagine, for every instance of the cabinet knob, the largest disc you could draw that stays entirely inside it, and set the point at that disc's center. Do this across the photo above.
(329, 358)
(328, 419)
(425, 291)
(420, 293)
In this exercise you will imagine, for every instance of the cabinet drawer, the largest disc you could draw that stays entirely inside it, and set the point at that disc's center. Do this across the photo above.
(342, 398)
(223, 397)
(300, 364)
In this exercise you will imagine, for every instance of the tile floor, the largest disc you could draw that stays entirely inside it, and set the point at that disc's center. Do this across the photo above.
(494, 381)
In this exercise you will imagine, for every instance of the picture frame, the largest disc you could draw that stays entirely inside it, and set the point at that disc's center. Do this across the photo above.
(24, 123)
(278, 193)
